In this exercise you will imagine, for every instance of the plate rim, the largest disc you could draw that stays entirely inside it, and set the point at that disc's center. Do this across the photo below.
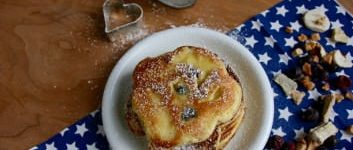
(112, 80)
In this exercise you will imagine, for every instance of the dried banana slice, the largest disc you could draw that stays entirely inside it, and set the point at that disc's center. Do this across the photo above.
(316, 20)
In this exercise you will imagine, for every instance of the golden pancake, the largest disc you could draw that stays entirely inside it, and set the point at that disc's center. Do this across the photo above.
(185, 99)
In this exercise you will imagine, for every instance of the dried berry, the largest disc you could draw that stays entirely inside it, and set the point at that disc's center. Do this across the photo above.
(289, 30)
(343, 82)
(181, 89)
(330, 142)
(315, 51)
(308, 84)
(275, 142)
(288, 146)
(310, 115)
(302, 37)
(307, 69)
(349, 129)
(315, 37)
(188, 113)
(318, 72)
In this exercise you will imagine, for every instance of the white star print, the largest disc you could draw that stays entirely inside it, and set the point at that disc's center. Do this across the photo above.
(341, 73)
(278, 132)
(299, 133)
(81, 129)
(350, 114)
(264, 58)
(330, 42)
(256, 25)
(345, 136)
(336, 24)
(284, 58)
(281, 11)
(290, 42)
(264, 13)
(276, 26)
(340, 10)
(50, 146)
(284, 113)
(71, 146)
(250, 41)
(322, 8)
(301, 9)
(295, 25)
(100, 130)
(91, 147)
(269, 41)
(314, 94)
(63, 131)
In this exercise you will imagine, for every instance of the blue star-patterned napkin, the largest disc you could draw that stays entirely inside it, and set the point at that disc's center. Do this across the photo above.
(264, 36)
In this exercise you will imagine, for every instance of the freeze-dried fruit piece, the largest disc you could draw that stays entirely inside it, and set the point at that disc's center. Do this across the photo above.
(287, 84)
(338, 35)
(297, 96)
(322, 132)
(341, 60)
(329, 101)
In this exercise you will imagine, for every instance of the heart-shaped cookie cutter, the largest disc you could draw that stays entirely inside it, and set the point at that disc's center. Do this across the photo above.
(132, 9)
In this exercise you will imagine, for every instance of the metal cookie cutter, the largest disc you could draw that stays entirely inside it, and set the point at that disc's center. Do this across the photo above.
(131, 12)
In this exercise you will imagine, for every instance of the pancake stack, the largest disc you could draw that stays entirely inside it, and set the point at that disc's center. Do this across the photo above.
(185, 99)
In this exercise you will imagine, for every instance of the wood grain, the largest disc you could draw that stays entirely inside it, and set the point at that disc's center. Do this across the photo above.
(55, 57)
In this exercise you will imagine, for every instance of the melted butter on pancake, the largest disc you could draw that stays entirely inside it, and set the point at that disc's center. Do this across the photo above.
(205, 86)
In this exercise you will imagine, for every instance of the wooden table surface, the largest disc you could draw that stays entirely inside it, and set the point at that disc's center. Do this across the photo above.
(55, 57)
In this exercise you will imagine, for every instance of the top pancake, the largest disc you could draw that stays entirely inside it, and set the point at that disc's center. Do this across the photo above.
(180, 97)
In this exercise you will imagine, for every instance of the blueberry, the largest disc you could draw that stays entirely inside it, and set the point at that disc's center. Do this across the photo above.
(181, 89)
(188, 113)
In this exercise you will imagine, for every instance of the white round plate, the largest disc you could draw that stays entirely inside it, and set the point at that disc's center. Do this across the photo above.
(255, 128)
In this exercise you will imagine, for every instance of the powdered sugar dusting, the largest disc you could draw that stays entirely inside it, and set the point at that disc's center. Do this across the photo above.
(190, 75)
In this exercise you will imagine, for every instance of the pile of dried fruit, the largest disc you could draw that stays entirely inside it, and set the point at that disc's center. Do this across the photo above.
(314, 70)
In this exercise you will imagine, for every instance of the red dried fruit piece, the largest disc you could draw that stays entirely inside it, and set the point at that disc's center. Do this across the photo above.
(343, 82)
(307, 69)
(275, 142)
